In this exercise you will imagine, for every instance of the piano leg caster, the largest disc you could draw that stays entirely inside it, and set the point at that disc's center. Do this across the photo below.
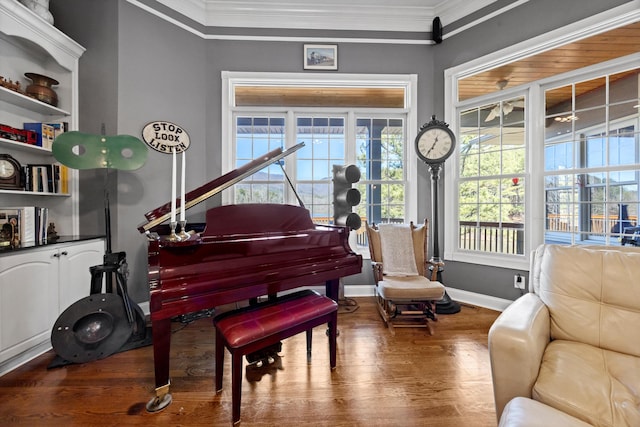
(162, 400)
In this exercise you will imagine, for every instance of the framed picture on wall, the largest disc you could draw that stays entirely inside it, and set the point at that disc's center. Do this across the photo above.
(320, 57)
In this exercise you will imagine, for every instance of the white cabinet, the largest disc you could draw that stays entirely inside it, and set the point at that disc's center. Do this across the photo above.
(36, 286)
(28, 44)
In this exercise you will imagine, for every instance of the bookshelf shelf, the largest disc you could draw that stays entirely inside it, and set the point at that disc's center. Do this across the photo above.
(31, 104)
(34, 193)
(21, 146)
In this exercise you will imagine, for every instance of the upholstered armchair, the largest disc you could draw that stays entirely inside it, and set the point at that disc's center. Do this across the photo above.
(568, 352)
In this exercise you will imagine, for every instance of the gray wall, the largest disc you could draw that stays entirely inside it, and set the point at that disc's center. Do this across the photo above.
(139, 68)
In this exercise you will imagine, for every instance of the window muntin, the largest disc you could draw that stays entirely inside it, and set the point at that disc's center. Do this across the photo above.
(491, 180)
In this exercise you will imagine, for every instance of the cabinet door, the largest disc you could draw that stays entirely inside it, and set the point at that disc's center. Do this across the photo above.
(74, 275)
(28, 300)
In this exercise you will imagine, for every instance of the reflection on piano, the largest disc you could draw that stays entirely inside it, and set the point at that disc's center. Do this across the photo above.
(244, 252)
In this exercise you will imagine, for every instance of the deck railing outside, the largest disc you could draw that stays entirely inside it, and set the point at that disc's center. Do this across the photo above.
(506, 238)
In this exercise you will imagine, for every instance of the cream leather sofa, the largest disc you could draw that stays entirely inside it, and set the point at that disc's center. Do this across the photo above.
(568, 352)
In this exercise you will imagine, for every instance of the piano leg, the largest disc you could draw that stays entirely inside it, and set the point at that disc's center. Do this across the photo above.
(161, 330)
(332, 289)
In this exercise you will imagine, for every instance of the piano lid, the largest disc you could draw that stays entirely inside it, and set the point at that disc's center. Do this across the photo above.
(204, 192)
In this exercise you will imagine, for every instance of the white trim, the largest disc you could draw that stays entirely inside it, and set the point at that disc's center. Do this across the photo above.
(382, 15)
(459, 295)
(619, 16)
(480, 300)
(388, 16)
(482, 19)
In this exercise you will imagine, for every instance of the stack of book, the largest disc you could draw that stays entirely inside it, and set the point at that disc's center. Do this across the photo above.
(20, 225)
(46, 178)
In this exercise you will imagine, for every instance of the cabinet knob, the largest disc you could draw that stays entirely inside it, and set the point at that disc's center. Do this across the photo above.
(58, 255)
(64, 253)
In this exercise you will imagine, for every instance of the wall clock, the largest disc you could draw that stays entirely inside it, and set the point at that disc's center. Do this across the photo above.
(435, 141)
(10, 173)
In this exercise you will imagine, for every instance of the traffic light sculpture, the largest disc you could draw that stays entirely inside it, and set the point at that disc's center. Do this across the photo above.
(345, 197)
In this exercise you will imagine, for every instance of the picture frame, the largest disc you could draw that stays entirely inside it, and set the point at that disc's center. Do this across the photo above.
(320, 57)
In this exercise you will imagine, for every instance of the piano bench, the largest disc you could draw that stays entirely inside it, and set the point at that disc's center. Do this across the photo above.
(249, 329)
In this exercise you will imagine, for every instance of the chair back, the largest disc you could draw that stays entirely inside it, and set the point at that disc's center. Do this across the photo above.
(419, 237)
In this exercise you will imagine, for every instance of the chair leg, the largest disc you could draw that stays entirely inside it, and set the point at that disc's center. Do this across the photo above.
(309, 340)
(236, 385)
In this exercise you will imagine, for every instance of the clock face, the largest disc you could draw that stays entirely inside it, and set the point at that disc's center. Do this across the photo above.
(435, 144)
(7, 170)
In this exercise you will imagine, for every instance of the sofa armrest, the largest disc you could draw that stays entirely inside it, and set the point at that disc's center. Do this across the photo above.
(517, 340)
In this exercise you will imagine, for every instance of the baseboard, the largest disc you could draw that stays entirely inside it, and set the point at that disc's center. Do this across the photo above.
(479, 300)
(145, 307)
(462, 296)
(24, 357)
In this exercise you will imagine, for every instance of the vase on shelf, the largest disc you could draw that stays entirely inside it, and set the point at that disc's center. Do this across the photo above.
(40, 88)
(40, 8)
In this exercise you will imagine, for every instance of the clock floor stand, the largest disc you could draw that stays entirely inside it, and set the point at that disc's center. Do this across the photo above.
(446, 305)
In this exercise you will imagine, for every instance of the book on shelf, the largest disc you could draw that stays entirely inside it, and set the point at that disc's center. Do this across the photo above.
(20, 225)
(47, 178)
(46, 132)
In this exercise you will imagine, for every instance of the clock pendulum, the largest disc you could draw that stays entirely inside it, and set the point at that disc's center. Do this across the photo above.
(434, 144)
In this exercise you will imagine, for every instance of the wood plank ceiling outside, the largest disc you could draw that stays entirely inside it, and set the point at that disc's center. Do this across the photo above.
(603, 47)
(589, 51)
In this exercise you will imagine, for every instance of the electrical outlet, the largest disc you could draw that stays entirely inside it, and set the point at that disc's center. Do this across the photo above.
(518, 281)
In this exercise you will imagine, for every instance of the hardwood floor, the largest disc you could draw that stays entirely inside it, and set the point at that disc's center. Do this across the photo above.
(410, 379)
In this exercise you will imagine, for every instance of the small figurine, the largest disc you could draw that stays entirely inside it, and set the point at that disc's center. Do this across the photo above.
(52, 235)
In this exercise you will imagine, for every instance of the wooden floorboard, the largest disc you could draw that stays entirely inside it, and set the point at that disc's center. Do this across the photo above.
(410, 379)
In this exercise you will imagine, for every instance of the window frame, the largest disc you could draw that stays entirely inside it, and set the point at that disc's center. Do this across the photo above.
(408, 82)
(534, 202)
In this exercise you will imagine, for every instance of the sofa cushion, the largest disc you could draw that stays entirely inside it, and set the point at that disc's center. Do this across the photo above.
(523, 412)
(599, 386)
(592, 295)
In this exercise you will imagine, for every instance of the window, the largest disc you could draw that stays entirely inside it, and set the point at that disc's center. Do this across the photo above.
(591, 155)
(371, 136)
(324, 139)
(491, 180)
(381, 145)
(579, 181)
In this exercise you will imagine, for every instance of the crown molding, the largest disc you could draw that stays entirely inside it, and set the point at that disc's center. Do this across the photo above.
(357, 15)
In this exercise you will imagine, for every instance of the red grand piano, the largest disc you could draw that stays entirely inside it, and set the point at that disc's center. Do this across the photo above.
(243, 252)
